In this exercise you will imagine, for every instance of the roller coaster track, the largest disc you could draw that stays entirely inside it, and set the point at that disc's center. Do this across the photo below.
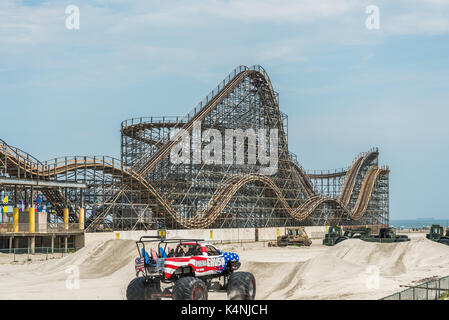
(222, 196)
(148, 162)
(145, 167)
(304, 181)
(17, 162)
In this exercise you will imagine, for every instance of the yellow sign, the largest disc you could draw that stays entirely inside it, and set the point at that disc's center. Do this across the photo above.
(162, 234)
(5, 209)
(277, 231)
(327, 229)
(211, 234)
(117, 236)
(5, 200)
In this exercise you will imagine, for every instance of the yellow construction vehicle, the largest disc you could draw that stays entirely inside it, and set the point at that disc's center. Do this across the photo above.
(295, 236)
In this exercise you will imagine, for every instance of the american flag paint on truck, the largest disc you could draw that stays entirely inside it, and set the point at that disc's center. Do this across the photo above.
(187, 272)
(202, 264)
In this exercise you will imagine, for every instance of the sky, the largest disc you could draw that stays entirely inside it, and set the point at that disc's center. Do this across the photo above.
(345, 87)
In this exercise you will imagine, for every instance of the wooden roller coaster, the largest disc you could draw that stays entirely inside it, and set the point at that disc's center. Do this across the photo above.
(145, 183)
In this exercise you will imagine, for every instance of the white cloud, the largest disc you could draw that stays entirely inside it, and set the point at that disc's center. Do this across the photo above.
(418, 23)
(201, 12)
(190, 36)
(25, 25)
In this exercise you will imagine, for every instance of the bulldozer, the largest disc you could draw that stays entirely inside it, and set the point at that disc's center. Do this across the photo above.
(295, 236)
(386, 235)
(333, 233)
(436, 234)
(359, 233)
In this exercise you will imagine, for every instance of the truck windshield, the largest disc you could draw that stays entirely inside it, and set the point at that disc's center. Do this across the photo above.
(212, 251)
(188, 250)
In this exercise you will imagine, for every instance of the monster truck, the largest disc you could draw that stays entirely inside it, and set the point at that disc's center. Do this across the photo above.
(187, 272)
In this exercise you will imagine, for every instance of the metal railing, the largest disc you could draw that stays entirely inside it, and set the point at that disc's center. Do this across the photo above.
(154, 223)
(11, 228)
(431, 290)
(40, 254)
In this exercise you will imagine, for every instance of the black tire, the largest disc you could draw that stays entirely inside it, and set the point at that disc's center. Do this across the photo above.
(136, 289)
(241, 286)
(190, 288)
(139, 289)
(340, 240)
(402, 239)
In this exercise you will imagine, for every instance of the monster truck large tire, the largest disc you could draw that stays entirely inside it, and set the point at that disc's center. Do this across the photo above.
(241, 286)
(190, 288)
(136, 289)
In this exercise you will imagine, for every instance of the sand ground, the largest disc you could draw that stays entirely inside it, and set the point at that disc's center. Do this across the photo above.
(353, 269)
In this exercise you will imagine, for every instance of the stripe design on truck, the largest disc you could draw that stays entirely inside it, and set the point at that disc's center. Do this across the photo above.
(200, 265)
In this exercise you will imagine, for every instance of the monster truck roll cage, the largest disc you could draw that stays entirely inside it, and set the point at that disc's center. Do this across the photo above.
(151, 266)
(185, 285)
(163, 241)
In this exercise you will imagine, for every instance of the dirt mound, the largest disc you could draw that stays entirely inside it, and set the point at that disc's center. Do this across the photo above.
(393, 258)
(273, 278)
(112, 256)
(323, 277)
(99, 259)
(344, 271)
(353, 269)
